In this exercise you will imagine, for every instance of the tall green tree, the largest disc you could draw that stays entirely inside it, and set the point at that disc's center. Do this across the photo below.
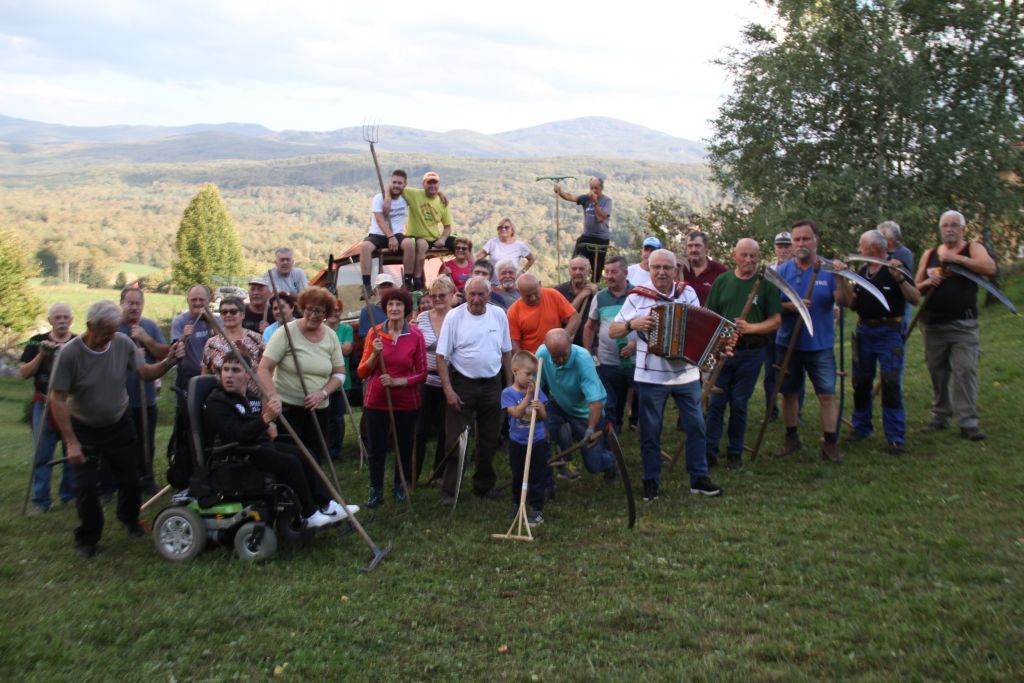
(857, 111)
(20, 307)
(207, 244)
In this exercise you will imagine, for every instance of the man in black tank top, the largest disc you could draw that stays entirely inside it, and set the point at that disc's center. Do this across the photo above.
(878, 340)
(950, 326)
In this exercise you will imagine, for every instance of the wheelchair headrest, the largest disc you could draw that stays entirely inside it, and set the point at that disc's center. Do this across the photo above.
(199, 388)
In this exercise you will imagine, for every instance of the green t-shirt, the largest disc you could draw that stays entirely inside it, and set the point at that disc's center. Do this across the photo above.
(729, 294)
(344, 333)
(316, 360)
(427, 217)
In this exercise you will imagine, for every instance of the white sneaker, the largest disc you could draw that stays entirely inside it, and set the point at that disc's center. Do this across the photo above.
(319, 519)
(334, 508)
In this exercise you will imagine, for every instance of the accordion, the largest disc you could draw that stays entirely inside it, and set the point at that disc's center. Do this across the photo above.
(689, 333)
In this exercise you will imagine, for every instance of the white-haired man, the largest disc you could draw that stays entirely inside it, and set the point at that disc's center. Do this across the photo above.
(950, 326)
(658, 378)
(90, 407)
(37, 362)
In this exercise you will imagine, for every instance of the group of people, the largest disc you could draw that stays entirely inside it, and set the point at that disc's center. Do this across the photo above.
(469, 360)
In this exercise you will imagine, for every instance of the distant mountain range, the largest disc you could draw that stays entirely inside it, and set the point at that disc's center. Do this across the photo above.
(27, 143)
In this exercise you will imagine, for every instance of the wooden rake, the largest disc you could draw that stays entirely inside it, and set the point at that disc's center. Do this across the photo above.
(519, 522)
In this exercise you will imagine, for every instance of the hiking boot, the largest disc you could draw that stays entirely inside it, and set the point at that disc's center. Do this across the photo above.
(830, 452)
(734, 461)
(376, 498)
(790, 445)
(650, 490)
(972, 434)
(896, 448)
(568, 472)
(705, 487)
(933, 426)
(534, 518)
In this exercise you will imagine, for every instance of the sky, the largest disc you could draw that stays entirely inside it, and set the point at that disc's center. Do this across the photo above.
(312, 65)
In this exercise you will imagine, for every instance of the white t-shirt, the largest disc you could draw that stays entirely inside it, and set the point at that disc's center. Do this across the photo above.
(473, 344)
(499, 251)
(638, 277)
(649, 367)
(397, 215)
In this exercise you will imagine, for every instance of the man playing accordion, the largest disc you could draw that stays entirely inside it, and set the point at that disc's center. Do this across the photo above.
(657, 378)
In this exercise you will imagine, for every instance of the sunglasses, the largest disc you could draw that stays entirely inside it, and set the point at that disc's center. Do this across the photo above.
(229, 311)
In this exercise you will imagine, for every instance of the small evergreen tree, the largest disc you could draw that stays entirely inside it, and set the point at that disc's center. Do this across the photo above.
(21, 307)
(207, 243)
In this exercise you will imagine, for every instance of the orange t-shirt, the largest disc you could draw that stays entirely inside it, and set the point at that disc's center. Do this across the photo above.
(528, 324)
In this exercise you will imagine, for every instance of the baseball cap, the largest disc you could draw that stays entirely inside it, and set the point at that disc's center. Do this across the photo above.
(430, 175)
(257, 280)
(652, 242)
(384, 278)
(784, 238)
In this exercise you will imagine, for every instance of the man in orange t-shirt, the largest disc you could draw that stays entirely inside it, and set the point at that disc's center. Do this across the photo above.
(538, 311)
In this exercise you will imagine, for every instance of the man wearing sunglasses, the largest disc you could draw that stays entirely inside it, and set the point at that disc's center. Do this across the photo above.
(430, 222)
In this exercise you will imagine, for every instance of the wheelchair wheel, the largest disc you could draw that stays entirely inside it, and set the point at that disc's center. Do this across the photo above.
(179, 533)
(291, 527)
(248, 548)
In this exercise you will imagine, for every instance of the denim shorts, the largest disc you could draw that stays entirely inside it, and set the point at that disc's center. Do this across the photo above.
(820, 366)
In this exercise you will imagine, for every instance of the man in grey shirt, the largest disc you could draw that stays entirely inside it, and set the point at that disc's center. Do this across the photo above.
(287, 277)
(597, 209)
(90, 407)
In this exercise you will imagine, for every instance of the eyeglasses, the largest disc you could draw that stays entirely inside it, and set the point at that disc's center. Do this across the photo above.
(504, 227)
(316, 310)
(461, 248)
(229, 311)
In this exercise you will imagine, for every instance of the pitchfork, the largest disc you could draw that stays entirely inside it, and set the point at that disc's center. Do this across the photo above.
(371, 134)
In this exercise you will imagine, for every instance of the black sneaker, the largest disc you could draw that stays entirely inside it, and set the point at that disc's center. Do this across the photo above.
(712, 461)
(933, 426)
(534, 518)
(611, 474)
(650, 490)
(491, 494)
(135, 531)
(734, 461)
(896, 448)
(972, 434)
(705, 487)
(86, 550)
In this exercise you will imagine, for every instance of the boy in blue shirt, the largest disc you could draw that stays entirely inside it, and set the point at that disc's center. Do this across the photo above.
(517, 399)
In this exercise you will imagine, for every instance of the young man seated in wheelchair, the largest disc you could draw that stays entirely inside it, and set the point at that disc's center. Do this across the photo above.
(233, 417)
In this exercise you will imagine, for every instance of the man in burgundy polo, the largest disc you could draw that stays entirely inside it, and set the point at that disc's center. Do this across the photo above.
(700, 271)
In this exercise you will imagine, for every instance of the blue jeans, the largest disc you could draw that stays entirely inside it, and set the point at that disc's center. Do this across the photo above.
(46, 446)
(596, 456)
(617, 382)
(652, 399)
(737, 382)
(882, 345)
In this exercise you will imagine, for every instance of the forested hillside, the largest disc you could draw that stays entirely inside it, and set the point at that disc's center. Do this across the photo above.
(87, 219)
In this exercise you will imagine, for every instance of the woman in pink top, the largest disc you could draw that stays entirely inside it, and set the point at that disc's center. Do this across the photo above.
(460, 267)
(398, 346)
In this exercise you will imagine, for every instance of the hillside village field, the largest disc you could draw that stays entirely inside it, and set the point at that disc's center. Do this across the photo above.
(905, 568)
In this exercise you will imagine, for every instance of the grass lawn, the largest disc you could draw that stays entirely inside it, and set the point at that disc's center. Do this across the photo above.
(891, 568)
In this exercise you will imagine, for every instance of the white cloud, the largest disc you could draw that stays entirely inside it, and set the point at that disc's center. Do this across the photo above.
(323, 65)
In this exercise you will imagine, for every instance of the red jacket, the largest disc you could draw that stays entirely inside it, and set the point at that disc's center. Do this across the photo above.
(405, 357)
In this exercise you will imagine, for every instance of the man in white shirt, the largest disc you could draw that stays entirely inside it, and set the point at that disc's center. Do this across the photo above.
(387, 229)
(474, 350)
(639, 274)
(658, 378)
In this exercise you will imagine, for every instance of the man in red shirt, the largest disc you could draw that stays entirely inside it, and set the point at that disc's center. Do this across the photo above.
(700, 271)
(538, 311)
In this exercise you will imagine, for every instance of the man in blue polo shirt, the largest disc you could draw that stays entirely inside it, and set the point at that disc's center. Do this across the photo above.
(575, 398)
(812, 355)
